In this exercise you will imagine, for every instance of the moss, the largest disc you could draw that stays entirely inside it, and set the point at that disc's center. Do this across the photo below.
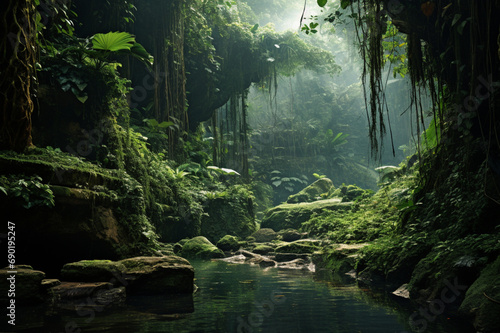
(263, 249)
(201, 248)
(228, 243)
(287, 216)
(230, 211)
(92, 271)
(312, 192)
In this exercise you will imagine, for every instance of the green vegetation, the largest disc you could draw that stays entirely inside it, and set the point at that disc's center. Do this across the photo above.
(210, 124)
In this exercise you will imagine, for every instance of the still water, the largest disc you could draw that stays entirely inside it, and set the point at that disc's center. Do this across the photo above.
(245, 298)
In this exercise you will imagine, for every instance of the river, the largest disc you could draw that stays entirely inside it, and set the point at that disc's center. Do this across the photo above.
(245, 298)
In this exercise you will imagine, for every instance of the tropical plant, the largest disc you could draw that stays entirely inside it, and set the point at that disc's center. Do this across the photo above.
(115, 43)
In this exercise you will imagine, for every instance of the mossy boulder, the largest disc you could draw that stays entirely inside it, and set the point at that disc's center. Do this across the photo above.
(158, 275)
(92, 271)
(231, 210)
(200, 248)
(264, 235)
(287, 216)
(228, 243)
(312, 192)
(337, 258)
(27, 285)
(349, 193)
(482, 299)
(290, 235)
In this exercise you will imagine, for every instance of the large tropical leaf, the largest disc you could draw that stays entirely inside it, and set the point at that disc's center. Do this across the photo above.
(113, 41)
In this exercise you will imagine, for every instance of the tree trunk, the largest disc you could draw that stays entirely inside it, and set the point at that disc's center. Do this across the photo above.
(17, 68)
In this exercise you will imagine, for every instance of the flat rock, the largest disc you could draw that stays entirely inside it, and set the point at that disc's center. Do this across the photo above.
(297, 264)
(92, 271)
(158, 275)
(28, 284)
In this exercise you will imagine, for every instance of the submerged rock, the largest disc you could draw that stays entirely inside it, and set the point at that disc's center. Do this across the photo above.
(228, 243)
(158, 275)
(312, 192)
(87, 296)
(200, 248)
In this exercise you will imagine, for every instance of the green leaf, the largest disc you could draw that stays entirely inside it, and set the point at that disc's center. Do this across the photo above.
(345, 3)
(277, 183)
(254, 28)
(113, 41)
(165, 124)
(322, 3)
(456, 19)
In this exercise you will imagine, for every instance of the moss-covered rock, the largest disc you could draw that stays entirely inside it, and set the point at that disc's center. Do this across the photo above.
(482, 299)
(92, 271)
(291, 235)
(264, 235)
(338, 258)
(293, 215)
(229, 210)
(312, 192)
(350, 193)
(26, 284)
(201, 248)
(228, 243)
(158, 275)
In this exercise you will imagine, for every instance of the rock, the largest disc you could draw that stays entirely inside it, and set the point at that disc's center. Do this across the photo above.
(158, 275)
(87, 296)
(264, 235)
(292, 216)
(283, 257)
(297, 264)
(92, 271)
(228, 243)
(312, 192)
(263, 249)
(482, 299)
(290, 235)
(246, 253)
(200, 248)
(262, 261)
(338, 258)
(402, 291)
(236, 259)
(50, 283)
(232, 211)
(27, 284)
(297, 247)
